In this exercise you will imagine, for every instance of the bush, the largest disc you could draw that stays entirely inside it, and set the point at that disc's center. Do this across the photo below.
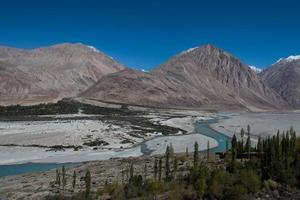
(271, 185)
(219, 180)
(250, 180)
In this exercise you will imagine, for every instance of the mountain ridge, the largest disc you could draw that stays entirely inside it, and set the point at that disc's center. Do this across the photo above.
(50, 73)
(199, 77)
(284, 78)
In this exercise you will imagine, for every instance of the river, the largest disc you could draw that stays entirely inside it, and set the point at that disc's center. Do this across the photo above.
(151, 147)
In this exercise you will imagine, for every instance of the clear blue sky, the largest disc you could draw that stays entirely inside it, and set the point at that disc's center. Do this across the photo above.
(145, 33)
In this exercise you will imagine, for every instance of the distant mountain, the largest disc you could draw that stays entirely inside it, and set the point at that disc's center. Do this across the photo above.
(255, 69)
(203, 77)
(284, 77)
(51, 73)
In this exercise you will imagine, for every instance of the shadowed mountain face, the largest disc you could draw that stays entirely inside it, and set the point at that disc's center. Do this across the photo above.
(203, 77)
(284, 78)
(52, 73)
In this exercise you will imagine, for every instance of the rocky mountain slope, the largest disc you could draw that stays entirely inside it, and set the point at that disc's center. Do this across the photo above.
(51, 73)
(203, 77)
(284, 77)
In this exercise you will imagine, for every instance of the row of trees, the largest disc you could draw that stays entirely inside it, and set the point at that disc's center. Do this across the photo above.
(272, 161)
(61, 107)
(276, 157)
(61, 181)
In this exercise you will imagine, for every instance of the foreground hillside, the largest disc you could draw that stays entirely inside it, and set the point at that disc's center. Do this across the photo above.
(203, 77)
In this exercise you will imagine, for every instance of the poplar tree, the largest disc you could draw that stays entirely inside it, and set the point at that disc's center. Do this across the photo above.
(207, 152)
(196, 155)
(242, 137)
(175, 166)
(64, 180)
(248, 146)
(145, 171)
(155, 169)
(74, 180)
(131, 171)
(87, 181)
(167, 164)
(57, 180)
(187, 152)
(233, 152)
(159, 169)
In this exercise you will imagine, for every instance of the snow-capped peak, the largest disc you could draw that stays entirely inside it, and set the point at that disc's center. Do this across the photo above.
(255, 69)
(189, 50)
(288, 59)
(94, 49)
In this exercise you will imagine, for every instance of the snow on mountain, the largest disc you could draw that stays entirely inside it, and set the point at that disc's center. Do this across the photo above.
(94, 49)
(288, 59)
(255, 69)
(189, 50)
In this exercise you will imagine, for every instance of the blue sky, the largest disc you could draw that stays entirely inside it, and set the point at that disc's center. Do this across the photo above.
(146, 33)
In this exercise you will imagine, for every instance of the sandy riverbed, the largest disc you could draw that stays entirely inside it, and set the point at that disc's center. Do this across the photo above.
(262, 124)
(76, 132)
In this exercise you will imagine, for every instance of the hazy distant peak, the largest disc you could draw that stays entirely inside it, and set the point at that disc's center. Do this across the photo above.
(255, 69)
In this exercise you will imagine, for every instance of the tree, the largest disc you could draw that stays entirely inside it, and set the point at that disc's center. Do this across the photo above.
(171, 149)
(196, 154)
(233, 152)
(242, 137)
(57, 180)
(175, 166)
(145, 171)
(159, 169)
(248, 146)
(259, 147)
(87, 180)
(74, 180)
(219, 180)
(131, 171)
(187, 152)
(64, 180)
(207, 151)
(248, 129)
(227, 145)
(167, 164)
(250, 180)
(155, 169)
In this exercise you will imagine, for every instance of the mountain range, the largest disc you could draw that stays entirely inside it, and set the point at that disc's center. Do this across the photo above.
(51, 73)
(284, 77)
(204, 77)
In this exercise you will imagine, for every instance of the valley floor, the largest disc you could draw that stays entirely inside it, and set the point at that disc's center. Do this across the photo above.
(262, 124)
(81, 137)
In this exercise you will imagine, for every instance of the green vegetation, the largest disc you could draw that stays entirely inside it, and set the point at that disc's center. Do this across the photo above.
(65, 106)
(247, 171)
(61, 107)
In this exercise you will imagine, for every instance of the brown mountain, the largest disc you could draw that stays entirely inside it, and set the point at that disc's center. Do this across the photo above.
(51, 73)
(284, 78)
(203, 77)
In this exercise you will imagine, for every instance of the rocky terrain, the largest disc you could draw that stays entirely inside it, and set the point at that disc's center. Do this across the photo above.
(38, 185)
(284, 77)
(204, 77)
(50, 73)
